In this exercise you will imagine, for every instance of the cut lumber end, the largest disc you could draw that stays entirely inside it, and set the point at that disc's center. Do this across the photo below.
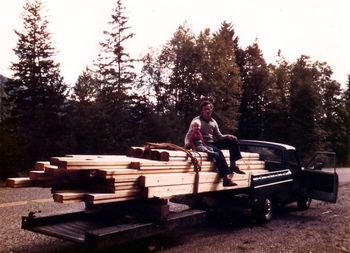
(17, 182)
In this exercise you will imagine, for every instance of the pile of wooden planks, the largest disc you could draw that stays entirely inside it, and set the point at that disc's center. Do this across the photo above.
(142, 173)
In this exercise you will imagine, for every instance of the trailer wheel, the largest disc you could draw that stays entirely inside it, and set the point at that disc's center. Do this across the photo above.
(304, 203)
(264, 211)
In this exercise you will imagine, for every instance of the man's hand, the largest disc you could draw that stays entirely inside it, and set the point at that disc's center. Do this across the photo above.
(231, 137)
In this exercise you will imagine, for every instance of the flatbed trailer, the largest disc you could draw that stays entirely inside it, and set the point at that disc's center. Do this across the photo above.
(285, 182)
(99, 230)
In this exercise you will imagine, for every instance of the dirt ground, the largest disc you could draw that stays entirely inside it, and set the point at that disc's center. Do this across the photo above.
(324, 228)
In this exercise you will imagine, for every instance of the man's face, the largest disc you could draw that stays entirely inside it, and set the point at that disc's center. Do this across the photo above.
(206, 112)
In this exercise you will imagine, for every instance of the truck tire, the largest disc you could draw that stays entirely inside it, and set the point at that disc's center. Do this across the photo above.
(304, 203)
(264, 211)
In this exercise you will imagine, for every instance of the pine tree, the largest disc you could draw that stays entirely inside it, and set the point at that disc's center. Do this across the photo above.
(115, 69)
(36, 92)
(115, 74)
(85, 88)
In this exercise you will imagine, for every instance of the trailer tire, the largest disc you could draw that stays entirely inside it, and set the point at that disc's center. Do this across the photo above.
(264, 211)
(304, 203)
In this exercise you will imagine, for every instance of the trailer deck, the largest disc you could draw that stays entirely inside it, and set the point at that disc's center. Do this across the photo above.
(98, 229)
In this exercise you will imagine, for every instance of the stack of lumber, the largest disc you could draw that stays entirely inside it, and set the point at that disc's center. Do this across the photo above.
(141, 174)
(36, 177)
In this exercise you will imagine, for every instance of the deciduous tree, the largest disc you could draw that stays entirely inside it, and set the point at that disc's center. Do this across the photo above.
(224, 78)
(256, 85)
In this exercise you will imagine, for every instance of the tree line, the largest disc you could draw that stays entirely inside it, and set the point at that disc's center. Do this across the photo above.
(112, 106)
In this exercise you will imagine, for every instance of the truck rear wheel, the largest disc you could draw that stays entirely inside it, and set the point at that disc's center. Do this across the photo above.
(264, 211)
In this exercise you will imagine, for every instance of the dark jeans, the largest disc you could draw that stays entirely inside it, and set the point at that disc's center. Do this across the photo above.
(235, 154)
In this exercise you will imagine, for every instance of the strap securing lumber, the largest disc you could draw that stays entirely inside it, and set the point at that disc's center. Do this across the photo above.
(194, 160)
(171, 146)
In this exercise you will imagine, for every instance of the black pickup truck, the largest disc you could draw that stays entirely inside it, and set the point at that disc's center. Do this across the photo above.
(287, 180)
(284, 181)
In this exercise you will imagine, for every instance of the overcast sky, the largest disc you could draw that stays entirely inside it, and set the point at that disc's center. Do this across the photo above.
(317, 28)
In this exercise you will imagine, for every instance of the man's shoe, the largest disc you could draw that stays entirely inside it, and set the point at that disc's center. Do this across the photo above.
(237, 170)
(228, 182)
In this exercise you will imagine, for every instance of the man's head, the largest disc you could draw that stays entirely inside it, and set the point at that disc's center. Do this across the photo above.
(206, 108)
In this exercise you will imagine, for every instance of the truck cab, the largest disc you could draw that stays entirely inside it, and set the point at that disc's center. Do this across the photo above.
(287, 180)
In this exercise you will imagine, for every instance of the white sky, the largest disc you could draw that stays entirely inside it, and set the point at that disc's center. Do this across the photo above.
(317, 28)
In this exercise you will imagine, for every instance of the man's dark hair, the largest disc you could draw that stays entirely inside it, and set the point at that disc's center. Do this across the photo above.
(204, 103)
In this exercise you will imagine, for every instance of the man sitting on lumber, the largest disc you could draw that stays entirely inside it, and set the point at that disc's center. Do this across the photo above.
(215, 139)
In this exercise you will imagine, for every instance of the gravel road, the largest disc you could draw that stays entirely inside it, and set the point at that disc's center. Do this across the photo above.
(323, 228)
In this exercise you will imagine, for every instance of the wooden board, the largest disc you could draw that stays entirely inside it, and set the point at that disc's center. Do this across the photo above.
(115, 173)
(185, 178)
(39, 175)
(40, 165)
(78, 163)
(118, 186)
(17, 182)
(173, 190)
(68, 197)
(97, 198)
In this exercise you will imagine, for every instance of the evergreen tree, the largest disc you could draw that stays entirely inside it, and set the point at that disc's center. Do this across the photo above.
(36, 92)
(9, 148)
(115, 69)
(147, 124)
(85, 88)
(115, 76)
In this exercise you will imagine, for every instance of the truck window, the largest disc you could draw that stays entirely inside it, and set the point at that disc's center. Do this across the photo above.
(272, 156)
(292, 160)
